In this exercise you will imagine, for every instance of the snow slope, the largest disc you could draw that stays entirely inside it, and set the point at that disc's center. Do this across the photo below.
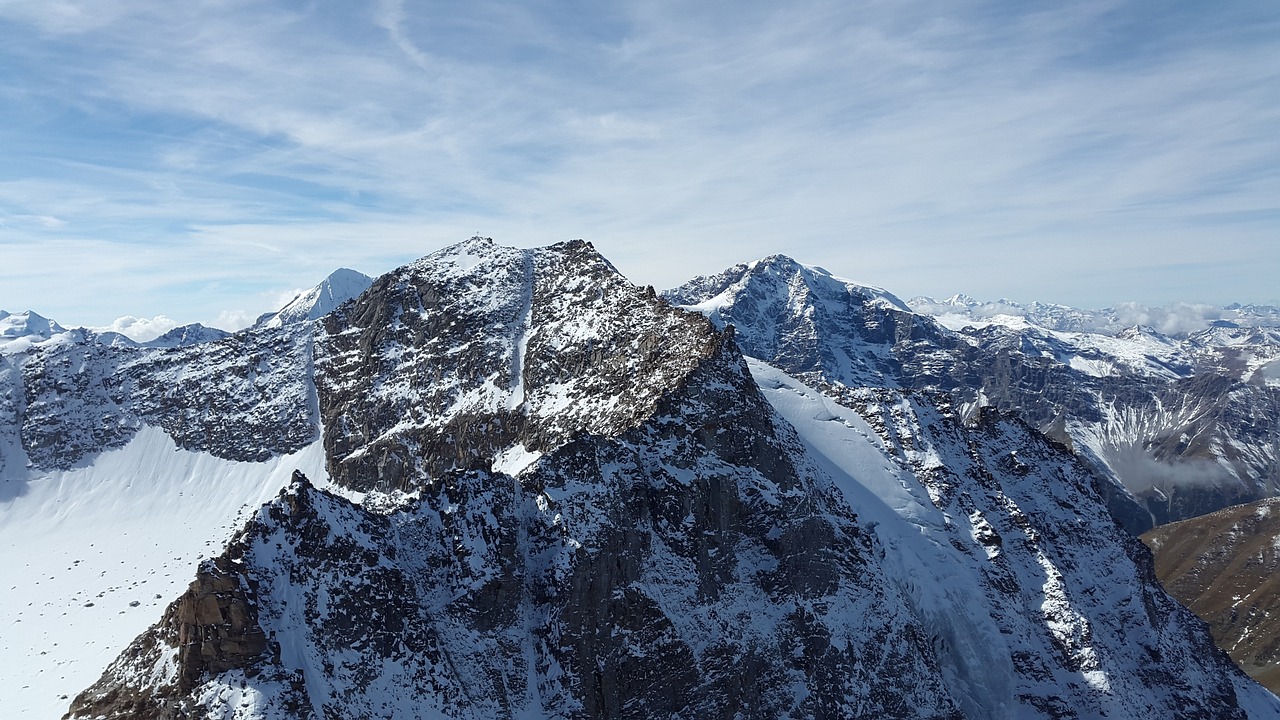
(1039, 606)
(931, 571)
(90, 556)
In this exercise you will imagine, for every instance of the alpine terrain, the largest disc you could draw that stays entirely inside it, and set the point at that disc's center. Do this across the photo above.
(1181, 425)
(1186, 415)
(502, 482)
(1224, 567)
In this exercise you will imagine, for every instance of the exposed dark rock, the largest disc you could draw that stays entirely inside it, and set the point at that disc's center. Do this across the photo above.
(211, 631)
(440, 367)
(245, 397)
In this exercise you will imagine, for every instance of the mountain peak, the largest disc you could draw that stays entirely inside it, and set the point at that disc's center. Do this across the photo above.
(547, 342)
(27, 323)
(19, 331)
(777, 302)
(183, 335)
(343, 274)
(340, 286)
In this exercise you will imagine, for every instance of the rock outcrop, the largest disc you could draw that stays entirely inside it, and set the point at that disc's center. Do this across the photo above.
(211, 631)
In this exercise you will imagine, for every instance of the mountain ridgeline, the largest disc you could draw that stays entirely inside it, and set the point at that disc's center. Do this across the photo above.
(553, 494)
(1181, 427)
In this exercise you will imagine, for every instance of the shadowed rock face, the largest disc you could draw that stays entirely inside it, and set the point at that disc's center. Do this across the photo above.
(584, 503)
(244, 397)
(217, 625)
(212, 630)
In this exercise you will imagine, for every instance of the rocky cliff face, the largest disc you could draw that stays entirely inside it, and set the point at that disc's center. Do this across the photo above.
(815, 325)
(565, 498)
(245, 397)
(481, 352)
(213, 630)
(67, 395)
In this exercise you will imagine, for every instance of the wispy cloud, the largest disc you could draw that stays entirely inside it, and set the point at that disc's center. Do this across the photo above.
(197, 155)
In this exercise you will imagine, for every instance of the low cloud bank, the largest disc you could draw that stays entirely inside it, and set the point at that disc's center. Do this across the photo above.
(1140, 471)
(140, 329)
(1176, 319)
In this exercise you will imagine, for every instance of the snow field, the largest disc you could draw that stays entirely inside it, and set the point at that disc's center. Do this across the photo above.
(90, 557)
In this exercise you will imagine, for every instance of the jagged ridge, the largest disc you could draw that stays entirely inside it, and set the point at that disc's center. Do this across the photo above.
(599, 528)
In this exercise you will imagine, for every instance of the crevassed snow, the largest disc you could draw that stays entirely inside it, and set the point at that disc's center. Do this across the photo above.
(79, 548)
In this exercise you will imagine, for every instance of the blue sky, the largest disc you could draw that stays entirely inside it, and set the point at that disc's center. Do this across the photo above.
(202, 160)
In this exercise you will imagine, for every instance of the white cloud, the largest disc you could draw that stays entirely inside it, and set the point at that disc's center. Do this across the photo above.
(65, 16)
(1173, 319)
(390, 15)
(233, 320)
(140, 329)
(280, 298)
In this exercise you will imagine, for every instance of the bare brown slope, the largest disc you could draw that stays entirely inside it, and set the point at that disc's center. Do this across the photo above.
(1224, 567)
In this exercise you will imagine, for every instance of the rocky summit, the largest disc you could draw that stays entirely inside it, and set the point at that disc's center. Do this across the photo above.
(548, 493)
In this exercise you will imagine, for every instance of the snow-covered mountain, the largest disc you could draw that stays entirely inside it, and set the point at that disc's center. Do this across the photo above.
(193, 334)
(1239, 341)
(532, 489)
(342, 285)
(1185, 425)
(19, 331)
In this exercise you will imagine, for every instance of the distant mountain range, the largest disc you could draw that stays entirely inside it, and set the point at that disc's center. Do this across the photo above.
(508, 483)
(1177, 321)
(1185, 425)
